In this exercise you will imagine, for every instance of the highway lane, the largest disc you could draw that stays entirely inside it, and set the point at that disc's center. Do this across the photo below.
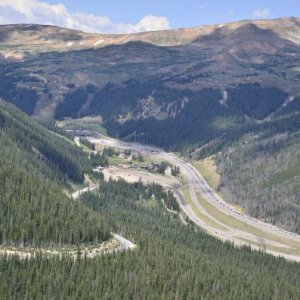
(275, 240)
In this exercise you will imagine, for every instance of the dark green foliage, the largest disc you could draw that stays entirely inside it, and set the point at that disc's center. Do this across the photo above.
(23, 98)
(261, 173)
(99, 160)
(33, 208)
(189, 126)
(110, 152)
(43, 148)
(35, 212)
(175, 171)
(72, 104)
(172, 261)
(192, 116)
(88, 144)
(171, 202)
(161, 168)
(255, 101)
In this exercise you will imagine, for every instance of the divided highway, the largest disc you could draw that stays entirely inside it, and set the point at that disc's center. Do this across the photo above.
(208, 210)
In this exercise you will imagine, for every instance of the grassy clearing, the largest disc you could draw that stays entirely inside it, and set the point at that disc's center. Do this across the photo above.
(239, 225)
(209, 171)
(137, 163)
(202, 216)
(227, 219)
(64, 138)
(263, 246)
(226, 122)
(296, 69)
(86, 123)
(115, 161)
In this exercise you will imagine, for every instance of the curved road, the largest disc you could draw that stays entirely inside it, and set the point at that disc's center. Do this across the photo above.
(230, 223)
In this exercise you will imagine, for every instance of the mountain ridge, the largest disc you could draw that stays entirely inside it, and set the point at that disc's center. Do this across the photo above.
(62, 39)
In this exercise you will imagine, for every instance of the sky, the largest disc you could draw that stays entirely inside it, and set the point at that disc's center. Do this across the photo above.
(126, 16)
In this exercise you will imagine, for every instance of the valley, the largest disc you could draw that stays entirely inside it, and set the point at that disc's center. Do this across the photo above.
(155, 165)
(54, 242)
(202, 205)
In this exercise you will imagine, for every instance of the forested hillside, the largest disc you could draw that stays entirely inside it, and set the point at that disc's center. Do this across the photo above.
(261, 173)
(172, 261)
(44, 151)
(230, 91)
(178, 95)
(35, 164)
(259, 167)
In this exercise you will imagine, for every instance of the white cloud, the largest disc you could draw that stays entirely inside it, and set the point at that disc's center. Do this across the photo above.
(151, 22)
(35, 11)
(261, 12)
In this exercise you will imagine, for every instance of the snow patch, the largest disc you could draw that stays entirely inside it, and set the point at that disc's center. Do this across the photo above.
(98, 43)
(288, 100)
(70, 44)
(224, 99)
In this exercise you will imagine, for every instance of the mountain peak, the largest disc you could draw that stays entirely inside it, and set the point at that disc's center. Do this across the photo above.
(43, 38)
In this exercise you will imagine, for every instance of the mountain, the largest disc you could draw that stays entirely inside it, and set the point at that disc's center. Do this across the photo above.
(39, 163)
(201, 91)
(59, 64)
(32, 38)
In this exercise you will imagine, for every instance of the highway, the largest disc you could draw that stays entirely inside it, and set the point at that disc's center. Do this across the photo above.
(212, 213)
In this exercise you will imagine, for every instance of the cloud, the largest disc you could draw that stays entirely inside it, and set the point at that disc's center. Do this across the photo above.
(149, 23)
(37, 12)
(261, 13)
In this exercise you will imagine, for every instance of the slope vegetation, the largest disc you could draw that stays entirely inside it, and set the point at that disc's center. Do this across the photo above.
(34, 211)
(171, 261)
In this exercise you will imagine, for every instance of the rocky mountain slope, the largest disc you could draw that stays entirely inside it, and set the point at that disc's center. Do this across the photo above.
(47, 64)
(39, 38)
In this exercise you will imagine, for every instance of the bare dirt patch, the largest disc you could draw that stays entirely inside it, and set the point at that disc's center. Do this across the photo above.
(134, 175)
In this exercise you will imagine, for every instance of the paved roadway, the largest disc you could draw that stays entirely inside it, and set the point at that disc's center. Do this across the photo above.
(275, 240)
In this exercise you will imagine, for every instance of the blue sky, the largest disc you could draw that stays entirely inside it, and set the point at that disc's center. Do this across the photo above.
(136, 15)
(185, 13)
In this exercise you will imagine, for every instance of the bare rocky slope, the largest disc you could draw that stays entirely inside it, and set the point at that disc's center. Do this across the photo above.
(52, 61)
(33, 37)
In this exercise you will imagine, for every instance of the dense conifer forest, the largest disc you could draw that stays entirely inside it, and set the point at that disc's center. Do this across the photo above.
(189, 117)
(171, 261)
(35, 166)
